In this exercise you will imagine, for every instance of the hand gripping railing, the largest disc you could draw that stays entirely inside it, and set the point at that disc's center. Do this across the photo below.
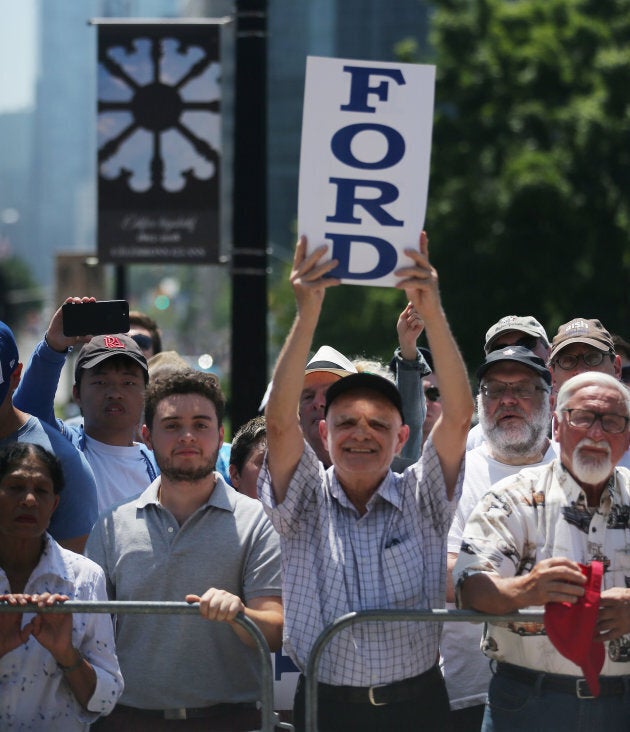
(269, 719)
(466, 616)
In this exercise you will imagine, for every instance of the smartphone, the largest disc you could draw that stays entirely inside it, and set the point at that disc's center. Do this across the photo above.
(95, 318)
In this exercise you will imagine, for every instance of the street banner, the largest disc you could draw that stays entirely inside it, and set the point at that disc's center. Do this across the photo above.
(159, 142)
(364, 163)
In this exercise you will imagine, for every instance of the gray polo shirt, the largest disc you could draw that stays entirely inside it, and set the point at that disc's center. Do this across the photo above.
(172, 661)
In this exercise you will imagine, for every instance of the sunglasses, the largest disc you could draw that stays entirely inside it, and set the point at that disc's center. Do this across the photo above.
(432, 393)
(528, 342)
(144, 341)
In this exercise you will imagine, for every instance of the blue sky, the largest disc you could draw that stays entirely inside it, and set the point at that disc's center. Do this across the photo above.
(18, 61)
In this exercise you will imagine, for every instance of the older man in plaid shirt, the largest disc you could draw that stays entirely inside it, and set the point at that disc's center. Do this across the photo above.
(358, 536)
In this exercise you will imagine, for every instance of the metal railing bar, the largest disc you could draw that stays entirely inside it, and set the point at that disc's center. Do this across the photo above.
(422, 615)
(269, 720)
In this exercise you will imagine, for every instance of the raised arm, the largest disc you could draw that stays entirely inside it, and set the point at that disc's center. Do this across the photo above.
(285, 441)
(38, 387)
(410, 370)
(420, 283)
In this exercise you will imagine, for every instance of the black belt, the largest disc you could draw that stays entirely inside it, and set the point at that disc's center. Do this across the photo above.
(379, 694)
(574, 685)
(217, 710)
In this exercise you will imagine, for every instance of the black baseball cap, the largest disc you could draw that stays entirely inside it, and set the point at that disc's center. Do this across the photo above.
(518, 354)
(102, 347)
(365, 380)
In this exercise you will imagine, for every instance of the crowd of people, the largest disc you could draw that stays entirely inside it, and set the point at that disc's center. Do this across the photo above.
(360, 486)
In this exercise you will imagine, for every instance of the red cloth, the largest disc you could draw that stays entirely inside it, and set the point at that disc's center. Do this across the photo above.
(570, 627)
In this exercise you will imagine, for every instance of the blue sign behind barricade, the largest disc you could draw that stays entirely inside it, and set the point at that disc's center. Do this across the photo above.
(364, 164)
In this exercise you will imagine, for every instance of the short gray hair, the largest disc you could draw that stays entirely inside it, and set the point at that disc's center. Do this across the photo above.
(591, 378)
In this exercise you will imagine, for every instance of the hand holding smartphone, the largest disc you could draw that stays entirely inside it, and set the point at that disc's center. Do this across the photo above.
(102, 317)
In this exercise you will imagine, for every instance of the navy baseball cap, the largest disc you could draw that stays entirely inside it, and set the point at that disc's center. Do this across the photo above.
(365, 380)
(520, 355)
(9, 358)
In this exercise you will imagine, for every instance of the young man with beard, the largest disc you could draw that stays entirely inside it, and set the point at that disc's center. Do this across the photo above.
(525, 541)
(189, 535)
(514, 415)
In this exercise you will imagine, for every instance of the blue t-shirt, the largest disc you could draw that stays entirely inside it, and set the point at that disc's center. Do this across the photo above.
(77, 510)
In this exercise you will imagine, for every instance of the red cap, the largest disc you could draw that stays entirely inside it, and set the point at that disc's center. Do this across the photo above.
(571, 627)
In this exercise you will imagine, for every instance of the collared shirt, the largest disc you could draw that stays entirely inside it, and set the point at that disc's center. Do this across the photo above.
(336, 561)
(540, 513)
(466, 670)
(34, 694)
(183, 660)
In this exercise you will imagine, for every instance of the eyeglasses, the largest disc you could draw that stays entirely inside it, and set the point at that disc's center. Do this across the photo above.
(568, 361)
(524, 390)
(529, 342)
(144, 341)
(614, 424)
(432, 393)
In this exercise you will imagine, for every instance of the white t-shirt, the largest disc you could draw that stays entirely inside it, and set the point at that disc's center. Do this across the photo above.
(466, 670)
(121, 473)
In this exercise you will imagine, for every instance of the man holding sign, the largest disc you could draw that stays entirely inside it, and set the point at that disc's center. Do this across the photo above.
(358, 536)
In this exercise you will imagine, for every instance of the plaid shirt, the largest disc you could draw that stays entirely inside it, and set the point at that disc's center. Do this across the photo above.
(335, 561)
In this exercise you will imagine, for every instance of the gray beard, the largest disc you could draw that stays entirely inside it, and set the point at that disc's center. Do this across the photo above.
(516, 442)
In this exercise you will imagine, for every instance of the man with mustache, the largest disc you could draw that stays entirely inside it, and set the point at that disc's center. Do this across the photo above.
(514, 414)
(523, 546)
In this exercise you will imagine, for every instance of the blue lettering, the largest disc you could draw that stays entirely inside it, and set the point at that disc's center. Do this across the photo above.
(360, 87)
(284, 665)
(347, 199)
(341, 250)
(341, 145)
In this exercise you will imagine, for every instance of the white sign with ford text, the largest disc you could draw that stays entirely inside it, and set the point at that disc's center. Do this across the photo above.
(364, 164)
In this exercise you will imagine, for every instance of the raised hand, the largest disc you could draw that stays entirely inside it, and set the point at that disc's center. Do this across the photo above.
(420, 280)
(409, 327)
(307, 276)
(54, 335)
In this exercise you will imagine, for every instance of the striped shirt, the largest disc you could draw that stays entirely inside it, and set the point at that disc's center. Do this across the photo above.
(335, 561)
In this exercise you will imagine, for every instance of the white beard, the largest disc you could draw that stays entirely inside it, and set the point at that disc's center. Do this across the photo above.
(591, 470)
(516, 440)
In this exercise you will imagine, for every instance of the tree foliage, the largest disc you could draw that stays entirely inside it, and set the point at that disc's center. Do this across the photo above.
(528, 209)
(528, 205)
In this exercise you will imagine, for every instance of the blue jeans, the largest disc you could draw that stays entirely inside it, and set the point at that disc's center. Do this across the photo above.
(516, 707)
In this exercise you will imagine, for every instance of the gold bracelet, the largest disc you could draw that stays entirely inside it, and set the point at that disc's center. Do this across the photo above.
(72, 667)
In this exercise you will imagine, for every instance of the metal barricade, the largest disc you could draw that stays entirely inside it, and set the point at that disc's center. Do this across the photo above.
(269, 719)
(466, 616)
